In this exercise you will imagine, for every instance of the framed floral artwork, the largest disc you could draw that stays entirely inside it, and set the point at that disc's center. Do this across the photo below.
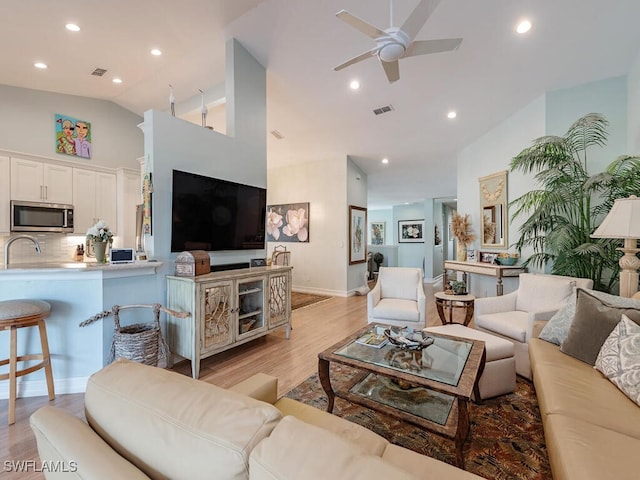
(288, 222)
(411, 231)
(377, 232)
(357, 234)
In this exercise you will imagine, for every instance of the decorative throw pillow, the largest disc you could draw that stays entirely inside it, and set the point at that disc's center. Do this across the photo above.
(593, 322)
(619, 358)
(557, 328)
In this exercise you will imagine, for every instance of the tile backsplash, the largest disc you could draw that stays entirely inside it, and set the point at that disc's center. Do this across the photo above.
(55, 247)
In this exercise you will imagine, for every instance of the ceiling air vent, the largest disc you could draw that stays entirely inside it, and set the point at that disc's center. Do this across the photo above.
(98, 72)
(277, 134)
(381, 110)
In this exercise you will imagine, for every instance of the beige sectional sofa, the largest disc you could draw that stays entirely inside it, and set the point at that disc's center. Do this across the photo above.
(145, 422)
(592, 430)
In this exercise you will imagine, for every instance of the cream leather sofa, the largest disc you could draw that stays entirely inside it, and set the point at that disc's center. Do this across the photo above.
(592, 430)
(146, 422)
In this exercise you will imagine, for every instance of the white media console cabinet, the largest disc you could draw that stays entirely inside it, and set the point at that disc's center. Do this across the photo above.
(228, 308)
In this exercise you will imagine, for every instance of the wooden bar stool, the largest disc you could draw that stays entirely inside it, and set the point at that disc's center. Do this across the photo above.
(15, 314)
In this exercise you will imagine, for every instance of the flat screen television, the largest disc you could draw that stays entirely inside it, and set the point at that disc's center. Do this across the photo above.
(213, 214)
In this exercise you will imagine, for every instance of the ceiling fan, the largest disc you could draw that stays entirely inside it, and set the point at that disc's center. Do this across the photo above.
(395, 43)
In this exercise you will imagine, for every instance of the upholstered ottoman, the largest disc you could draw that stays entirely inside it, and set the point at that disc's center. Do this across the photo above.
(499, 376)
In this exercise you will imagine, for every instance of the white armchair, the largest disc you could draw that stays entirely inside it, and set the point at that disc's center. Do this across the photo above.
(520, 315)
(398, 298)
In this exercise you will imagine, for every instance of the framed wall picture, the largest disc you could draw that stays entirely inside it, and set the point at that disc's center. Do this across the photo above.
(73, 136)
(411, 231)
(288, 222)
(488, 257)
(357, 234)
(377, 232)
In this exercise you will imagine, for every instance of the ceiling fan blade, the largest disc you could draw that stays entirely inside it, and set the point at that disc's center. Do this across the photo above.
(424, 47)
(359, 24)
(392, 69)
(418, 17)
(359, 58)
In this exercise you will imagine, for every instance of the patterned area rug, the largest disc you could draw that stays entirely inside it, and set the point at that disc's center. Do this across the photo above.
(506, 439)
(299, 299)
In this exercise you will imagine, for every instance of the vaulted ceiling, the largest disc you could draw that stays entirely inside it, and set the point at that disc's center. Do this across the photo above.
(494, 73)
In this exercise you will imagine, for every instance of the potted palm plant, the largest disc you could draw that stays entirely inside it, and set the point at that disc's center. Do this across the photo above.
(570, 203)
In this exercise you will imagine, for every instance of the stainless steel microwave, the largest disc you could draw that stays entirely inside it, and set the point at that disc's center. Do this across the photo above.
(41, 217)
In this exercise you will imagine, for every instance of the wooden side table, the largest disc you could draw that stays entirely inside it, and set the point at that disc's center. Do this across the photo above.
(444, 300)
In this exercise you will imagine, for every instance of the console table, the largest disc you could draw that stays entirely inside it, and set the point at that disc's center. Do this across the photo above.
(228, 308)
(480, 268)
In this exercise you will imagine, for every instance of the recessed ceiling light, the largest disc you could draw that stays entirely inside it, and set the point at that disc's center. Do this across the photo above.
(72, 27)
(156, 52)
(452, 114)
(40, 65)
(117, 80)
(524, 26)
(385, 160)
(355, 85)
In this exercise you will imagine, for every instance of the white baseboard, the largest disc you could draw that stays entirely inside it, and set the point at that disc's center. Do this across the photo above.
(321, 291)
(38, 388)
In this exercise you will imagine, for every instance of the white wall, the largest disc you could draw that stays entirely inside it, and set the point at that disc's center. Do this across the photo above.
(633, 112)
(27, 126)
(489, 154)
(170, 142)
(356, 183)
(319, 266)
(608, 97)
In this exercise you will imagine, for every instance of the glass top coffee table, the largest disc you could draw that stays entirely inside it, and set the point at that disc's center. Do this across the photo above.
(430, 387)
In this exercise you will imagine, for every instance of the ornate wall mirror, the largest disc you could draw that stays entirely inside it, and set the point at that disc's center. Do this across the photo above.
(493, 210)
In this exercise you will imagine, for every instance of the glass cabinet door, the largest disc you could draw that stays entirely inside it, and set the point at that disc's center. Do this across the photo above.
(217, 311)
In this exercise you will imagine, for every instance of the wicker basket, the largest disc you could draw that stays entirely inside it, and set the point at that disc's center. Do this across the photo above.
(140, 342)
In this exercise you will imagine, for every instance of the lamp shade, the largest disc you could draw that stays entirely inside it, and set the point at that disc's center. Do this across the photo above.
(623, 221)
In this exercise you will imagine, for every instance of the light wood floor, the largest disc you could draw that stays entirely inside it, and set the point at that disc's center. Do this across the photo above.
(315, 328)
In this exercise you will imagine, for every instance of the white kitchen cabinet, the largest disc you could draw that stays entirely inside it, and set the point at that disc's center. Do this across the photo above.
(35, 181)
(4, 194)
(94, 198)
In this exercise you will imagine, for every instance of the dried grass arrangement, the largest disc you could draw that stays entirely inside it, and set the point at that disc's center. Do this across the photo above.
(461, 229)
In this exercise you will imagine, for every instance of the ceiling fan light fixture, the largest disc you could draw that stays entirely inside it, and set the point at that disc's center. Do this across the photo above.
(354, 85)
(385, 160)
(391, 52)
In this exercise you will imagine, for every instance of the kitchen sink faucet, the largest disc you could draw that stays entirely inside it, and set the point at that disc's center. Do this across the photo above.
(13, 239)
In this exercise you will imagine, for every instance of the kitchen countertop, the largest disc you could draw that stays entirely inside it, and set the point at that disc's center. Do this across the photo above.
(56, 267)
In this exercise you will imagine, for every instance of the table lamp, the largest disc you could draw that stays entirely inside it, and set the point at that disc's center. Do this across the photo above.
(623, 221)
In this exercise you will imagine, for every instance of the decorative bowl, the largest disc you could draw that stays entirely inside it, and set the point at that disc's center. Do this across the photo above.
(408, 340)
(506, 261)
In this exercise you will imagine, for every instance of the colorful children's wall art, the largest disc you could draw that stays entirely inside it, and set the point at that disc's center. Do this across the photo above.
(73, 136)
